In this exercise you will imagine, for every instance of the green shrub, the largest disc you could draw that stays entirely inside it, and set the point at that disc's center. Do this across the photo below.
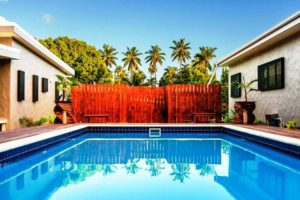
(227, 118)
(41, 121)
(258, 121)
(51, 119)
(292, 124)
(26, 122)
(212, 121)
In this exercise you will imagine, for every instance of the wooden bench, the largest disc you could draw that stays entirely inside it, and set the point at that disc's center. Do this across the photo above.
(96, 116)
(209, 116)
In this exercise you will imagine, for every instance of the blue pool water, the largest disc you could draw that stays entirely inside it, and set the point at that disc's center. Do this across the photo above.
(94, 166)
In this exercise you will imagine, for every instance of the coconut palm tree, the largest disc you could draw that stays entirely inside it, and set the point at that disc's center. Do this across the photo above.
(180, 172)
(109, 55)
(181, 51)
(121, 75)
(204, 57)
(132, 59)
(155, 166)
(155, 55)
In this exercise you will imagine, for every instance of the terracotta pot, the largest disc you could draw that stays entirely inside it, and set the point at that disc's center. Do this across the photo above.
(244, 112)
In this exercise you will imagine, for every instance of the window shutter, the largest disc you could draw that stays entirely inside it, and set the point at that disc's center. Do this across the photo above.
(235, 91)
(35, 88)
(56, 92)
(21, 86)
(44, 85)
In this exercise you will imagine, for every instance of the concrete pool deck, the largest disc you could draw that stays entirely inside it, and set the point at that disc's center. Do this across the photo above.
(20, 137)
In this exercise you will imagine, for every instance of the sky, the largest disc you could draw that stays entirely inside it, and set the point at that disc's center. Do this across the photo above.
(225, 24)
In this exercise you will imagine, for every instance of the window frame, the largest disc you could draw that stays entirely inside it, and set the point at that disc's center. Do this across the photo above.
(261, 69)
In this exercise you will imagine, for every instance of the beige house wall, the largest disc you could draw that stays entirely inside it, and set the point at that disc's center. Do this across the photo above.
(31, 64)
(5, 89)
(285, 102)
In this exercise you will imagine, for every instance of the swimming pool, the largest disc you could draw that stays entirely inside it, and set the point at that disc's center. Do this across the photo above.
(96, 165)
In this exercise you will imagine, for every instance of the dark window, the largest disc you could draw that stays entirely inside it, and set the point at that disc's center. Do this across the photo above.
(56, 92)
(21, 86)
(44, 85)
(35, 88)
(235, 91)
(271, 75)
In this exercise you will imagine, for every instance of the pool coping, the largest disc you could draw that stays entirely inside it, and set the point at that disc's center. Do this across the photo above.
(10, 145)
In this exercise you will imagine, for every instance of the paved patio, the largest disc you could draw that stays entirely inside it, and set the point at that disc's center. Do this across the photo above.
(32, 131)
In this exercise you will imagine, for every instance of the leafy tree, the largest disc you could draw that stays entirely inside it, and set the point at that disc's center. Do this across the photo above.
(192, 75)
(109, 55)
(121, 75)
(85, 59)
(168, 77)
(155, 55)
(151, 82)
(137, 78)
(181, 51)
(132, 59)
(224, 91)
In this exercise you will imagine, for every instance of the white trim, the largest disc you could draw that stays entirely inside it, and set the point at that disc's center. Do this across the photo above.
(20, 32)
(32, 139)
(7, 52)
(277, 33)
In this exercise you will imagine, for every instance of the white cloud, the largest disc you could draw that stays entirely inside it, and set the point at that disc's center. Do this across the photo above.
(48, 18)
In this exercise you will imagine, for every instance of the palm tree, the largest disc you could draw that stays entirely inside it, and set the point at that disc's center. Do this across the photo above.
(109, 55)
(180, 172)
(204, 57)
(181, 51)
(155, 166)
(155, 55)
(132, 59)
(132, 166)
(121, 75)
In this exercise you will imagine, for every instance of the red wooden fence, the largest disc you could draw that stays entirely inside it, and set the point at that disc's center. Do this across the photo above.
(121, 103)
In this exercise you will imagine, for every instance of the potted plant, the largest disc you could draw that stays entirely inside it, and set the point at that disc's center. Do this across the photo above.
(244, 109)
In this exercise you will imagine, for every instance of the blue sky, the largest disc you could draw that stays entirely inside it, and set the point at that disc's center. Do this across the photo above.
(225, 24)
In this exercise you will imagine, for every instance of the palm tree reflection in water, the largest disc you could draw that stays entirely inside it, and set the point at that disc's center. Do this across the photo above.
(132, 166)
(180, 172)
(155, 166)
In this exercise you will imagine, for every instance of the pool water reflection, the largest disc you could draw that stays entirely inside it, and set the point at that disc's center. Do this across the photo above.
(206, 168)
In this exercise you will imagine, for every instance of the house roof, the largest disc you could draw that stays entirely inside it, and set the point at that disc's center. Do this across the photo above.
(11, 29)
(7, 52)
(285, 29)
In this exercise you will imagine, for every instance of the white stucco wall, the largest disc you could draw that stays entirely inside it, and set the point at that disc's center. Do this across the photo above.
(31, 64)
(285, 102)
